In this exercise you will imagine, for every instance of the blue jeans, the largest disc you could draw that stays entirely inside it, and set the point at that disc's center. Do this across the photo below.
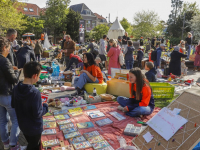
(137, 111)
(82, 80)
(37, 56)
(129, 64)
(5, 108)
(188, 51)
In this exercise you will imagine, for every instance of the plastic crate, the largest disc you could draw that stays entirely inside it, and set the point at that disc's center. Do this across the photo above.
(162, 90)
(197, 147)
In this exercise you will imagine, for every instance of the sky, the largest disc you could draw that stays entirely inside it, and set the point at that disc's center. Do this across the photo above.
(123, 8)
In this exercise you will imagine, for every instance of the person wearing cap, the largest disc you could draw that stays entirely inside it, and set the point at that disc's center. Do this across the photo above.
(159, 50)
(175, 62)
(93, 48)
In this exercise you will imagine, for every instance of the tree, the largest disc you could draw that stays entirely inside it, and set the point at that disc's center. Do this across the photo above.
(73, 19)
(10, 17)
(195, 24)
(55, 15)
(99, 31)
(126, 25)
(147, 24)
(176, 5)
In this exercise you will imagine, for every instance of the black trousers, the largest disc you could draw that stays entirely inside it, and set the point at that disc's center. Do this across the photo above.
(72, 60)
(139, 63)
(33, 142)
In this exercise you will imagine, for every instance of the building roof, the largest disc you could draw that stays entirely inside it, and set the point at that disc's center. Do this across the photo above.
(81, 8)
(32, 9)
(99, 16)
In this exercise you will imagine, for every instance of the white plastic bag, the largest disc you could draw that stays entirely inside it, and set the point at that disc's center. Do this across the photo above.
(159, 73)
(123, 145)
(121, 59)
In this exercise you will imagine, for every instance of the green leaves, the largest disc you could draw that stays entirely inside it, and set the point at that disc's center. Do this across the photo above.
(99, 31)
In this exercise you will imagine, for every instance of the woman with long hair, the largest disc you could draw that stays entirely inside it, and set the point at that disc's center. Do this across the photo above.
(113, 55)
(141, 101)
(197, 58)
(8, 77)
(91, 73)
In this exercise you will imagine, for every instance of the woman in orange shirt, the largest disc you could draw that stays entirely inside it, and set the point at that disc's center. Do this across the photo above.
(141, 101)
(91, 73)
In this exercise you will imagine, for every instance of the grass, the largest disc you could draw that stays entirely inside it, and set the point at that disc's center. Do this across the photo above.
(164, 102)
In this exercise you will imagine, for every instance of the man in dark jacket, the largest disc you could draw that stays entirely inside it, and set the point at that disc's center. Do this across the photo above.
(140, 55)
(26, 100)
(93, 48)
(11, 36)
(159, 50)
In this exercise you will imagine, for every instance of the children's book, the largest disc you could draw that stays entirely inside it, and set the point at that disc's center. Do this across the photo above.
(82, 145)
(50, 143)
(69, 130)
(62, 117)
(104, 122)
(101, 144)
(49, 125)
(74, 110)
(49, 132)
(69, 147)
(91, 134)
(89, 107)
(64, 122)
(74, 114)
(48, 114)
(64, 126)
(90, 112)
(96, 115)
(117, 115)
(95, 139)
(106, 148)
(72, 135)
(61, 112)
(77, 139)
(49, 119)
(85, 125)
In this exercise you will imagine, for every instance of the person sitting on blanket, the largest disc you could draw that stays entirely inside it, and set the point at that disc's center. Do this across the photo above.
(74, 59)
(141, 101)
(91, 73)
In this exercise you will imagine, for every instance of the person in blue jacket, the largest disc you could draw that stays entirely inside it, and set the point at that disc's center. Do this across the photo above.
(151, 74)
(159, 50)
(140, 55)
(26, 100)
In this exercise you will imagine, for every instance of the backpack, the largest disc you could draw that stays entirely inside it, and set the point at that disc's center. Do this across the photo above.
(121, 59)
(154, 55)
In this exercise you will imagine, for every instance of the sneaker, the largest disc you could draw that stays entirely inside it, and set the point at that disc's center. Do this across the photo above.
(120, 108)
(17, 147)
(6, 145)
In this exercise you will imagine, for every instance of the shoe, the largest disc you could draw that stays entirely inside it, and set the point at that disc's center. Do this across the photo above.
(120, 108)
(6, 145)
(17, 147)
(81, 93)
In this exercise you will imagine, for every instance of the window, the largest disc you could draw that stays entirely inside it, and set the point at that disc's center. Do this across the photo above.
(31, 9)
(88, 25)
(25, 9)
(93, 24)
(88, 12)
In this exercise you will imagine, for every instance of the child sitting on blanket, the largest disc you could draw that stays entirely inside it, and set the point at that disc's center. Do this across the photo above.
(141, 101)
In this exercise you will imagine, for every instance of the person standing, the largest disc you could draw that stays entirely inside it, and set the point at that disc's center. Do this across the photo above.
(140, 55)
(68, 48)
(119, 41)
(108, 45)
(125, 40)
(8, 78)
(11, 36)
(38, 50)
(182, 47)
(102, 50)
(175, 62)
(93, 48)
(188, 42)
(157, 61)
(141, 41)
(153, 43)
(113, 55)
(42, 38)
(197, 58)
(129, 55)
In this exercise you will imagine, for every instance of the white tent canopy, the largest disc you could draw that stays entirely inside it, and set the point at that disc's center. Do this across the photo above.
(116, 30)
(46, 45)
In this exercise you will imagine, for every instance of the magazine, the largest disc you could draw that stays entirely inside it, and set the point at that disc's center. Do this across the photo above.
(50, 143)
(49, 119)
(75, 110)
(72, 135)
(96, 115)
(104, 122)
(101, 144)
(77, 139)
(62, 117)
(117, 115)
(82, 145)
(49, 132)
(64, 122)
(69, 147)
(49, 125)
(61, 112)
(89, 107)
(85, 125)
(95, 139)
(69, 130)
(64, 126)
(91, 134)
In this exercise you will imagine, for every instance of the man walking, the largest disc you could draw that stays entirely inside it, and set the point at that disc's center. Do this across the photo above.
(102, 50)
(157, 61)
(188, 42)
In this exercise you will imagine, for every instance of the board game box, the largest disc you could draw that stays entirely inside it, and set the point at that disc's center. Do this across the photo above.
(82, 145)
(117, 115)
(69, 130)
(91, 134)
(64, 122)
(77, 139)
(61, 112)
(132, 130)
(49, 119)
(64, 126)
(49, 132)
(89, 107)
(100, 145)
(85, 125)
(95, 139)
(104, 122)
(72, 135)
(62, 117)
(50, 143)
(49, 125)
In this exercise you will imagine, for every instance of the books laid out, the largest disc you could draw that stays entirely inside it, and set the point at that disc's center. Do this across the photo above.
(49, 125)
(82, 145)
(49, 132)
(64, 122)
(100, 145)
(69, 130)
(85, 125)
(132, 130)
(69, 147)
(104, 122)
(117, 115)
(77, 139)
(106, 148)
(50, 143)
(95, 139)
(48, 114)
(64, 126)
(62, 117)
(95, 114)
(75, 110)
(89, 107)
(61, 112)
(91, 134)
(49, 119)
(72, 135)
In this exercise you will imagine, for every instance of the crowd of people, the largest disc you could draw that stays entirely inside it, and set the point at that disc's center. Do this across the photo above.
(21, 101)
